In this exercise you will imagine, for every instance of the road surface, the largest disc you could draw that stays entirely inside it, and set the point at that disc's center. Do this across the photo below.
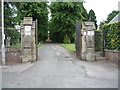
(59, 68)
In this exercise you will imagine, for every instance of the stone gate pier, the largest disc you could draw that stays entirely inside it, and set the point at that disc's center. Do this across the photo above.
(28, 47)
(85, 41)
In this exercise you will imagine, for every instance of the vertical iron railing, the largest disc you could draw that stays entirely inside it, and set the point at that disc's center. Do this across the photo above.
(104, 41)
(36, 38)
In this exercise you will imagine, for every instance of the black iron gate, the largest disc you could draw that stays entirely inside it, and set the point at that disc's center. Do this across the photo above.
(78, 39)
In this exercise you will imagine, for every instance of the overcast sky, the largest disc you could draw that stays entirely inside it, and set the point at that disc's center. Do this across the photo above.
(101, 7)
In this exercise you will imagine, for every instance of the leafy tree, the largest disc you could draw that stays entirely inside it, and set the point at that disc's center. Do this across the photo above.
(92, 17)
(101, 25)
(84, 14)
(9, 22)
(37, 10)
(0, 27)
(112, 15)
(64, 16)
(109, 18)
(8, 15)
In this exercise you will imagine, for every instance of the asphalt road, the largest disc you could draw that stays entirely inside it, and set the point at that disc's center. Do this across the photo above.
(59, 68)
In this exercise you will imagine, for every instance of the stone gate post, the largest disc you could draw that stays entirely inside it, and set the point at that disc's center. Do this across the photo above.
(85, 41)
(88, 47)
(28, 47)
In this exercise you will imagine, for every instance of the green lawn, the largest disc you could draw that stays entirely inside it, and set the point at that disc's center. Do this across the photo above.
(18, 45)
(70, 47)
(39, 45)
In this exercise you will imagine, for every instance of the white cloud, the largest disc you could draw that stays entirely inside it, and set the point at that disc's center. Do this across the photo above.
(101, 7)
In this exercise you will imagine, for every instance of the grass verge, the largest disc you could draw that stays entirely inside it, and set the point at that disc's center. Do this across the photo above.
(39, 45)
(18, 45)
(70, 47)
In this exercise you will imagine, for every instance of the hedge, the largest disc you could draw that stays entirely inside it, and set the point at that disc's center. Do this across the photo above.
(98, 40)
(112, 36)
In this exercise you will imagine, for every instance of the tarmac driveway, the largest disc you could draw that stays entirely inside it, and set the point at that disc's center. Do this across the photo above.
(59, 68)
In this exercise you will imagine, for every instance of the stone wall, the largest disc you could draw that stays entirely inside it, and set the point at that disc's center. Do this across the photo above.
(113, 55)
(13, 56)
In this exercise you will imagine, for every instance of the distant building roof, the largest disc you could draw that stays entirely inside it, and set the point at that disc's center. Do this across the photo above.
(115, 19)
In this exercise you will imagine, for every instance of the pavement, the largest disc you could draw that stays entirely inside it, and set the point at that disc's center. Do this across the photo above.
(59, 68)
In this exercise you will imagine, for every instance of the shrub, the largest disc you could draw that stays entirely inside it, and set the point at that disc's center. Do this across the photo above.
(112, 36)
(66, 40)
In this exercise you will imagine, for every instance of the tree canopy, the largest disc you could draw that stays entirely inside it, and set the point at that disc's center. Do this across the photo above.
(61, 25)
(64, 16)
(112, 15)
(16, 11)
(109, 18)
(10, 21)
(37, 10)
(92, 17)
